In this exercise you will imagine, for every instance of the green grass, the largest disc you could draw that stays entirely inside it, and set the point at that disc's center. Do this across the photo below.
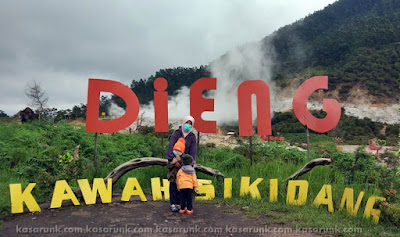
(31, 153)
(7, 178)
(302, 137)
(309, 216)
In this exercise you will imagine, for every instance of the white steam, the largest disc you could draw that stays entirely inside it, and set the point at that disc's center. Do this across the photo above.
(178, 106)
(243, 63)
(114, 111)
(247, 62)
(383, 114)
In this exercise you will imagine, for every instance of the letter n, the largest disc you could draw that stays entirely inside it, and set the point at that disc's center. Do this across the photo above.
(348, 199)
(261, 90)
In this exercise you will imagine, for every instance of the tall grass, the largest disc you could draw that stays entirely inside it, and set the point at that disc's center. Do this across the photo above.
(32, 153)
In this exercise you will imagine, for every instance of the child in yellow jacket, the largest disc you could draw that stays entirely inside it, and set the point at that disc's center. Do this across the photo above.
(186, 180)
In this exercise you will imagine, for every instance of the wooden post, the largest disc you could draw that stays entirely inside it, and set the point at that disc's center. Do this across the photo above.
(122, 169)
(251, 149)
(130, 130)
(162, 145)
(198, 142)
(95, 154)
(308, 141)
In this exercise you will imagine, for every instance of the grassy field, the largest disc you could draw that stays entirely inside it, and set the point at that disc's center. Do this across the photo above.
(43, 153)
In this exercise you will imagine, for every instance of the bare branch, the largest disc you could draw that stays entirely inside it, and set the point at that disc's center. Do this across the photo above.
(122, 169)
(309, 166)
(38, 97)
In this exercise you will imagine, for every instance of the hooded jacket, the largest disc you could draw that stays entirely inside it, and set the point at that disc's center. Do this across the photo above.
(186, 178)
(190, 144)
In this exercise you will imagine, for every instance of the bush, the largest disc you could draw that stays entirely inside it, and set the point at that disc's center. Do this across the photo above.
(390, 213)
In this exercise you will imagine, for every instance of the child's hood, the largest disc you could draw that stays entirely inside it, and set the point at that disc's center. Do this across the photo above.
(188, 169)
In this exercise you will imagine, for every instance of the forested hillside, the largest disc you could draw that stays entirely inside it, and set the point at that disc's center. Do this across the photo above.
(176, 77)
(354, 42)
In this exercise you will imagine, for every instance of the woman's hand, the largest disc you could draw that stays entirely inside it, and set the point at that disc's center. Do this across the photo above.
(177, 159)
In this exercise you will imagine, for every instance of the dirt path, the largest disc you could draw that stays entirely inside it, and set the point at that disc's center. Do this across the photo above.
(353, 148)
(137, 218)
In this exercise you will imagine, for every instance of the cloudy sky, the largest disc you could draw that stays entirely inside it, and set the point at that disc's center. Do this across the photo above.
(61, 44)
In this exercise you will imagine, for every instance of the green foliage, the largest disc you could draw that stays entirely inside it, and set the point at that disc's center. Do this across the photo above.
(350, 130)
(390, 212)
(226, 157)
(280, 151)
(343, 162)
(78, 111)
(355, 42)
(363, 167)
(176, 78)
(2, 114)
(146, 129)
(43, 153)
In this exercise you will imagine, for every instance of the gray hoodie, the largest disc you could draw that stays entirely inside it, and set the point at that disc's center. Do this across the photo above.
(188, 169)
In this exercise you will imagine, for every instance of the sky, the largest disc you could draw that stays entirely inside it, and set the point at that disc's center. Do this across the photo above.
(60, 44)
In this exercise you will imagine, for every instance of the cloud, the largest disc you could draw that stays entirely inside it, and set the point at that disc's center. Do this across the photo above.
(63, 43)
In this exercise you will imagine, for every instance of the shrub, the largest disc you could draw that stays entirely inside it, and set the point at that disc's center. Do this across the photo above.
(390, 213)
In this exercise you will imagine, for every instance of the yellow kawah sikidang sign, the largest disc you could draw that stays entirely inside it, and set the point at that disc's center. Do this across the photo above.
(297, 192)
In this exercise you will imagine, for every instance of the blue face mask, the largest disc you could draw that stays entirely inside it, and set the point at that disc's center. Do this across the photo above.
(175, 153)
(187, 127)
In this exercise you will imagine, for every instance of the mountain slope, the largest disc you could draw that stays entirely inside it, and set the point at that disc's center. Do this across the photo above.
(354, 42)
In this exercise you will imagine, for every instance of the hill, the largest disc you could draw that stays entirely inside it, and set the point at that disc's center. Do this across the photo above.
(176, 78)
(355, 42)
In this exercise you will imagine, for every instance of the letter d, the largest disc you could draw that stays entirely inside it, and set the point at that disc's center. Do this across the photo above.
(93, 124)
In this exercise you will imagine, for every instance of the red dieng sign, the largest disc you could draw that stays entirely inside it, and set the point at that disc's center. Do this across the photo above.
(199, 104)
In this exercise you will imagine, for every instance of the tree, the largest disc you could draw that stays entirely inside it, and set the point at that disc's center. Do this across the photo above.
(105, 103)
(78, 111)
(3, 115)
(37, 96)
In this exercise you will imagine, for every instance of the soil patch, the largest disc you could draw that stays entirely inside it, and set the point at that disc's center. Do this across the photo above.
(137, 218)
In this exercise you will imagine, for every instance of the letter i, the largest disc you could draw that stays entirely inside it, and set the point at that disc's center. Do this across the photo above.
(273, 190)
(227, 188)
(160, 105)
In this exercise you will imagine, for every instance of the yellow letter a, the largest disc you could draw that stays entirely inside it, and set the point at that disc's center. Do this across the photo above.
(132, 187)
(62, 192)
(325, 197)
